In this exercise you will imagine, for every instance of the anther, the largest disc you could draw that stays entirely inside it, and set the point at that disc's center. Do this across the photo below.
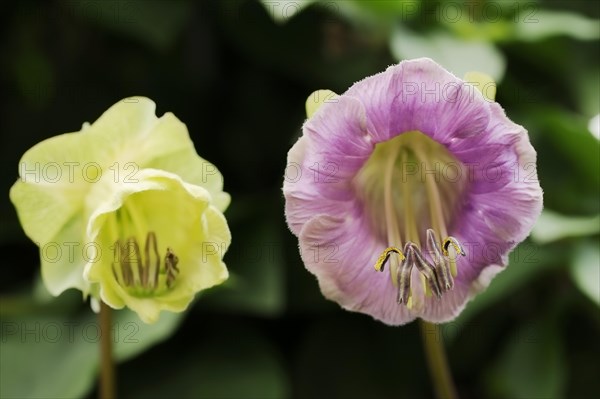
(144, 279)
(171, 261)
(444, 272)
(427, 270)
(151, 245)
(385, 255)
(457, 247)
(437, 278)
(404, 293)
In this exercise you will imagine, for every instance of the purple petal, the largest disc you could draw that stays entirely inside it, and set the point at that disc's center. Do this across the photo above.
(339, 252)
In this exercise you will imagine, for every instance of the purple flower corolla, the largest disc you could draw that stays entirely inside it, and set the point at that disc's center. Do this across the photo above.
(412, 166)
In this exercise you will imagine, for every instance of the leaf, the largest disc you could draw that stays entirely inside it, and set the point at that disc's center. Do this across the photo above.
(532, 364)
(282, 10)
(228, 360)
(154, 22)
(32, 345)
(569, 135)
(525, 263)
(403, 9)
(132, 337)
(585, 270)
(534, 25)
(257, 279)
(552, 226)
(456, 55)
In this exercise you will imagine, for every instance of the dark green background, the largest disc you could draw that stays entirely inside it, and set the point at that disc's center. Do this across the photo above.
(239, 80)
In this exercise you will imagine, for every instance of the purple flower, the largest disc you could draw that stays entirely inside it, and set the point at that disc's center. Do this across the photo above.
(412, 167)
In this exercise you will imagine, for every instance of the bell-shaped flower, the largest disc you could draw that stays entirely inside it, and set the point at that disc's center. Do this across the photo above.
(125, 210)
(415, 168)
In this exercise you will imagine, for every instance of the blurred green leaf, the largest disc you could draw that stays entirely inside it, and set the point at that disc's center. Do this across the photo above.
(282, 10)
(569, 135)
(532, 363)
(525, 263)
(489, 31)
(43, 357)
(230, 360)
(390, 8)
(131, 336)
(541, 24)
(585, 270)
(587, 84)
(552, 226)
(456, 55)
(257, 280)
(34, 343)
(153, 22)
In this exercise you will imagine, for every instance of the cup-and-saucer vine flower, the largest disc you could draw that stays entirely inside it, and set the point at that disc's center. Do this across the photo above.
(125, 211)
(417, 168)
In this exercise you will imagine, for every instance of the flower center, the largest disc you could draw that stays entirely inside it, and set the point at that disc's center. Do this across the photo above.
(411, 187)
(141, 273)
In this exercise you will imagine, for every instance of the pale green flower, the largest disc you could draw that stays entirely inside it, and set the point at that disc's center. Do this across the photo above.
(125, 211)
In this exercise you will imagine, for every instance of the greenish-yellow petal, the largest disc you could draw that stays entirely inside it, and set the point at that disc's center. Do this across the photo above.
(64, 257)
(130, 118)
(483, 82)
(317, 99)
(171, 149)
(182, 219)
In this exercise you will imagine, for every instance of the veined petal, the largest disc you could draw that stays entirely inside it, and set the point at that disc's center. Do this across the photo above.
(63, 259)
(172, 150)
(320, 176)
(339, 253)
(136, 138)
(55, 176)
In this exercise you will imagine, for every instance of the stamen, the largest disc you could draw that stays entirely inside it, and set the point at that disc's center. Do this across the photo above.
(383, 258)
(458, 250)
(444, 273)
(393, 234)
(409, 205)
(151, 244)
(427, 270)
(128, 252)
(171, 261)
(457, 247)
(404, 275)
(436, 278)
(143, 279)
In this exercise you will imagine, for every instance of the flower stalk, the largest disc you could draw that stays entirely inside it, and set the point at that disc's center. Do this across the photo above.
(107, 368)
(437, 362)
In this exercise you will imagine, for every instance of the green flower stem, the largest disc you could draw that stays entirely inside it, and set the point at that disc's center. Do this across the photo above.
(437, 362)
(107, 368)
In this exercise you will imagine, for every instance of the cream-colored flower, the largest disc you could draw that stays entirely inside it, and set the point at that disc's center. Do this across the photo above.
(125, 210)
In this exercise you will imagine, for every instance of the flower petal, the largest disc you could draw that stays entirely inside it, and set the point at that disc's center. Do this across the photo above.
(321, 163)
(170, 148)
(339, 252)
(420, 95)
(134, 134)
(182, 218)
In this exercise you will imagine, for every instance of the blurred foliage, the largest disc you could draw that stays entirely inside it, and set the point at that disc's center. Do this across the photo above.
(238, 73)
